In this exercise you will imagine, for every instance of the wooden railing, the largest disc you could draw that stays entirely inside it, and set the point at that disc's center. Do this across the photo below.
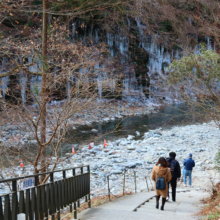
(47, 200)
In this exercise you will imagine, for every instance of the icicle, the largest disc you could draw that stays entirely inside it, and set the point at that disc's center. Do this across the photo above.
(48, 19)
(96, 65)
(209, 45)
(190, 21)
(110, 39)
(113, 86)
(4, 80)
(96, 35)
(129, 22)
(73, 29)
(35, 80)
(23, 82)
(99, 83)
(69, 90)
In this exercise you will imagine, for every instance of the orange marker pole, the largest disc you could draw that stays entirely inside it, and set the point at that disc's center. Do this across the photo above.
(73, 150)
(105, 144)
(21, 164)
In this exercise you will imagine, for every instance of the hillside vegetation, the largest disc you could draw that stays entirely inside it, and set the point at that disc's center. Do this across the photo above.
(176, 21)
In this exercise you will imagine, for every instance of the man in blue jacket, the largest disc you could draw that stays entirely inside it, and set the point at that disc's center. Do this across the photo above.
(189, 164)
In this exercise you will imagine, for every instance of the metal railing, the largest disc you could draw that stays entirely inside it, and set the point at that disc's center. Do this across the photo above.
(149, 183)
(46, 200)
(124, 180)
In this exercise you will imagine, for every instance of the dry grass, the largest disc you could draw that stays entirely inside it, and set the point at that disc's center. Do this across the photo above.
(212, 209)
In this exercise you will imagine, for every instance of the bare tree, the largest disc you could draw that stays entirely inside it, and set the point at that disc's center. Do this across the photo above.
(59, 64)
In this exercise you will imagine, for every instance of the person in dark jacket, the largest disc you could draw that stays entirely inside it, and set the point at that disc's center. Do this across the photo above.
(176, 174)
(189, 164)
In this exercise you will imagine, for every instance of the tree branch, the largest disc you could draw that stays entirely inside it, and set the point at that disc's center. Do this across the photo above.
(14, 71)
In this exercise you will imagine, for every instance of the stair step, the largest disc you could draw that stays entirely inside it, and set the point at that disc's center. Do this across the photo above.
(122, 209)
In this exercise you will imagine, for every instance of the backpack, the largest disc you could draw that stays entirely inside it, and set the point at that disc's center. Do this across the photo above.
(172, 166)
(161, 184)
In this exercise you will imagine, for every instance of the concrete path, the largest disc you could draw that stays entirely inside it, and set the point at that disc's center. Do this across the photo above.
(188, 203)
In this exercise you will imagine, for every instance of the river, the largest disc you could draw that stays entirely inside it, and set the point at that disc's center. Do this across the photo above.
(171, 115)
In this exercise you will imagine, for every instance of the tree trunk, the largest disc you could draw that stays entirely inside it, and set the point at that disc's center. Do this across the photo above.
(44, 89)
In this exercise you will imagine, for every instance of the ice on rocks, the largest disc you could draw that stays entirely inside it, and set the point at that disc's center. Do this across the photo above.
(137, 133)
(130, 137)
(131, 147)
(148, 134)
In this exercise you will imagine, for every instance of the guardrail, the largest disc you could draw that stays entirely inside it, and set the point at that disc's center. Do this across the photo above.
(124, 179)
(148, 180)
(47, 200)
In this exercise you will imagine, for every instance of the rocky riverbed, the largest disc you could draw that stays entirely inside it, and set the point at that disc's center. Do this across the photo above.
(16, 133)
(202, 140)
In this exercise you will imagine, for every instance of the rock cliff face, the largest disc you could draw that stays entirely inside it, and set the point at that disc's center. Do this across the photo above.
(141, 38)
(173, 21)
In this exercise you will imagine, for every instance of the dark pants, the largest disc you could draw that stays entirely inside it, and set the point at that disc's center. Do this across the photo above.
(173, 184)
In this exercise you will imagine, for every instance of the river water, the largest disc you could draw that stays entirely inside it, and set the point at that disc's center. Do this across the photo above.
(172, 115)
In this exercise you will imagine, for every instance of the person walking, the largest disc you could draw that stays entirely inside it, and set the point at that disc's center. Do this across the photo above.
(161, 176)
(175, 172)
(189, 164)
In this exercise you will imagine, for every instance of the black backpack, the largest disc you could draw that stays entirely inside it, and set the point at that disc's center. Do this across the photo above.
(172, 166)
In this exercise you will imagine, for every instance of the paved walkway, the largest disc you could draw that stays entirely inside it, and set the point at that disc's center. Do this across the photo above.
(188, 203)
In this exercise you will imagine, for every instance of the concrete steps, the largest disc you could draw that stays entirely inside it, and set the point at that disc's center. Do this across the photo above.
(187, 204)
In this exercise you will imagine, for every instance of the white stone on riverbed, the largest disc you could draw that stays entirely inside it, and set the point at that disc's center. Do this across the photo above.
(130, 137)
(137, 133)
(106, 119)
(123, 142)
(116, 171)
(201, 140)
(32, 141)
(131, 147)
